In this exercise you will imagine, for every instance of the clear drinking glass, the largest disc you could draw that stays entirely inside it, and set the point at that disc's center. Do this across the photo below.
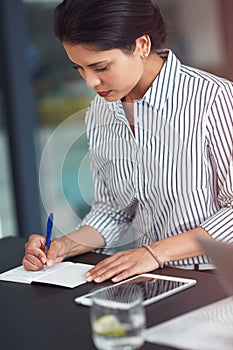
(118, 318)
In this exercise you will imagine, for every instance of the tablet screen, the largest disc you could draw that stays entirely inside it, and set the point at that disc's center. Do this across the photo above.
(154, 287)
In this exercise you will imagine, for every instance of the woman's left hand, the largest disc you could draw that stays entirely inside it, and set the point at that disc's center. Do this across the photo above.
(122, 265)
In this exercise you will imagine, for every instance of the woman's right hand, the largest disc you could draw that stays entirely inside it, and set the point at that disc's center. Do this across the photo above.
(81, 241)
(35, 257)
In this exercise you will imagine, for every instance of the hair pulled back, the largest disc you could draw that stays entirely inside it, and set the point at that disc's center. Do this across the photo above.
(109, 24)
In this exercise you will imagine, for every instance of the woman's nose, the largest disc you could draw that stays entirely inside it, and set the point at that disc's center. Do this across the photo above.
(92, 80)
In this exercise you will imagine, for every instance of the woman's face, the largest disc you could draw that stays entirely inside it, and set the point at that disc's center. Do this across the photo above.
(113, 74)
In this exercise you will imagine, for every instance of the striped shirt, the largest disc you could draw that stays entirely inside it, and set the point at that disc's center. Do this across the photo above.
(175, 172)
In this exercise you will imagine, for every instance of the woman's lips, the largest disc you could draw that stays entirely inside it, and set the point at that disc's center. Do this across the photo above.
(104, 93)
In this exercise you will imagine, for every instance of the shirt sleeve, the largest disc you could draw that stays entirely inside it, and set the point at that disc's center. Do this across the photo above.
(220, 143)
(105, 215)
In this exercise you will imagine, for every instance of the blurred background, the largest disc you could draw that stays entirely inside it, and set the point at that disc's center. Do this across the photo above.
(44, 163)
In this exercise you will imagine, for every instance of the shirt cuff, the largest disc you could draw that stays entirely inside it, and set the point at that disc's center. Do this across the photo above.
(220, 225)
(110, 225)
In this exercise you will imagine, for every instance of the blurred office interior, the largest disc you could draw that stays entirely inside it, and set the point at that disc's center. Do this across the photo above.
(43, 150)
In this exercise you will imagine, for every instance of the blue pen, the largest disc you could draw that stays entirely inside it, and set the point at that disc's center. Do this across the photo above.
(48, 235)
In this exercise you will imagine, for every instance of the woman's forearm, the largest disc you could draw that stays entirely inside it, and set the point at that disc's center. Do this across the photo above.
(83, 240)
(182, 246)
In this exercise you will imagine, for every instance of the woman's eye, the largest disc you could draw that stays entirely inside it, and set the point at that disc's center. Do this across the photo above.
(98, 70)
(101, 69)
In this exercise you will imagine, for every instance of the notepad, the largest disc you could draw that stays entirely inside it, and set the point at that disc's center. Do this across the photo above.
(65, 274)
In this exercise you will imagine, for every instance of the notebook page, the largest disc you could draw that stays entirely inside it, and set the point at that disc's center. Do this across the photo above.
(71, 276)
(20, 275)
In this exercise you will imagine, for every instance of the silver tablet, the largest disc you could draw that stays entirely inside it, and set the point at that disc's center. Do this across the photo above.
(155, 287)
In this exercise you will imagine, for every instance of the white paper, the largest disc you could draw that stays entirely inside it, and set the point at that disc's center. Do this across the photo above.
(67, 274)
(71, 276)
(207, 328)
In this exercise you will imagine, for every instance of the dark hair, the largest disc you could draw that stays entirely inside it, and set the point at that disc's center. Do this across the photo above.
(109, 24)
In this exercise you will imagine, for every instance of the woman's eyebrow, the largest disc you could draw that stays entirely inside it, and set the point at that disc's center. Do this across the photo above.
(96, 63)
(75, 64)
(89, 65)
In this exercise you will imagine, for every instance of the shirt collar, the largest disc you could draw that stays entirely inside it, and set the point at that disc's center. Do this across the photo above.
(162, 87)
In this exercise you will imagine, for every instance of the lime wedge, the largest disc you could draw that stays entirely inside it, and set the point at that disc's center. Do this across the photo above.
(108, 325)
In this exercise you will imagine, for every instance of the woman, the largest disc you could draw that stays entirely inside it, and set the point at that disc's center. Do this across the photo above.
(160, 138)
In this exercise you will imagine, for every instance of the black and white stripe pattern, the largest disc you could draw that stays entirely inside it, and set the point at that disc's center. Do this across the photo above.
(176, 172)
(129, 291)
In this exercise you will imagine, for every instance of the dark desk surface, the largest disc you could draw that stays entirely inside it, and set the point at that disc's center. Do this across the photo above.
(46, 317)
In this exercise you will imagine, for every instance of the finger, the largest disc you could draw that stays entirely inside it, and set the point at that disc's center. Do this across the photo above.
(124, 275)
(59, 259)
(102, 276)
(55, 251)
(51, 262)
(109, 271)
(32, 263)
(105, 263)
(101, 267)
(124, 267)
(133, 269)
(35, 241)
(37, 253)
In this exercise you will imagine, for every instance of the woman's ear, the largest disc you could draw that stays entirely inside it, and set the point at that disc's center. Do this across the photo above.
(143, 46)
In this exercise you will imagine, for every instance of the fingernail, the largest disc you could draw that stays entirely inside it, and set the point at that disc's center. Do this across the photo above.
(49, 262)
(89, 278)
(97, 279)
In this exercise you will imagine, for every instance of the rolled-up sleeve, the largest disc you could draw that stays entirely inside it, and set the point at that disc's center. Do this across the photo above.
(220, 143)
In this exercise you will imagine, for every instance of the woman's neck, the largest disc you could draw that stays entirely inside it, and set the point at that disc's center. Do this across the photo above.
(153, 66)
